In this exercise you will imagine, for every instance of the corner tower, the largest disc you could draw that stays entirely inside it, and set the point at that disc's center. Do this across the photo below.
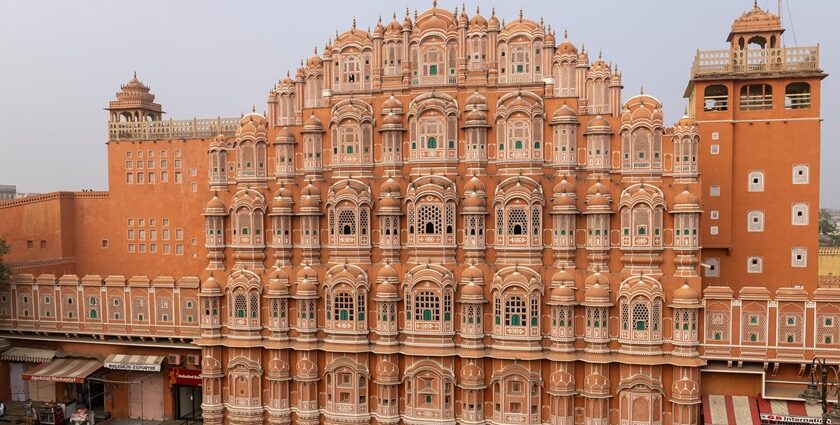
(757, 106)
(134, 104)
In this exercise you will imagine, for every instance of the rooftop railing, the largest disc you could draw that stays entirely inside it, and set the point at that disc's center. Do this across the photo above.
(172, 129)
(756, 61)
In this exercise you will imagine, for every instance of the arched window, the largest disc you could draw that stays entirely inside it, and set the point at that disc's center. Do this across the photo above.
(798, 96)
(756, 97)
(715, 98)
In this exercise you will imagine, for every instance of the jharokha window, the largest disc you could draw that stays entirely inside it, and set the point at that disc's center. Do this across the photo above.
(352, 134)
(642, 208)
(516, 396)
(516, 300)
(429, 300)
(244, 300)
(431, 212)
(248, 213)
(433, 128)
(348, 211)
(347, 389)
(518, 205)
(345, 295)
(429, 392)
(519, 127)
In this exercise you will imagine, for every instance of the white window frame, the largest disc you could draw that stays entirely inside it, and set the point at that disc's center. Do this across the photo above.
(755, 221)
(752, 186)
(806, 175)
(755, 264)
(799, 251)
(796, 207)
(714, 267)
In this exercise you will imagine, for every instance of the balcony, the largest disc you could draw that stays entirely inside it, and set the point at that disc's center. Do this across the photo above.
(756, 61)
(172, 129)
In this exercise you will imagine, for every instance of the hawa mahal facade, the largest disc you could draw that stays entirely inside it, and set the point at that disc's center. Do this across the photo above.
(451, 219)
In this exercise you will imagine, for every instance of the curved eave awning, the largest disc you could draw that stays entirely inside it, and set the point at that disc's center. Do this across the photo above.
(730, 410)
(26, 354)
(135, 362)
(71, 370)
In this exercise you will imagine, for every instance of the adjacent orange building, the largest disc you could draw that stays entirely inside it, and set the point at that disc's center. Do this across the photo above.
(447, 219)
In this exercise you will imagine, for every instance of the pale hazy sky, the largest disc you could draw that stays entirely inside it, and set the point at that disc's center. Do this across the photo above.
(62, 61)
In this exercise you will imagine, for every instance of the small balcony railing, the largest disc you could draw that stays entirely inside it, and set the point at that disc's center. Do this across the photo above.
(172, 129)
(756, 61)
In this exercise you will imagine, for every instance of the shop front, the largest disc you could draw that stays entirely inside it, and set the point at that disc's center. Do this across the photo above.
(21, 359)
(186, 388)
(789, 412)
(62, 385)
(138, 380)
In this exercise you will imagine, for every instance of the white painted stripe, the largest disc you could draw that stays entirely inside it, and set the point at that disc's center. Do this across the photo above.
(717, 407)
(779, 407)
(743, 412)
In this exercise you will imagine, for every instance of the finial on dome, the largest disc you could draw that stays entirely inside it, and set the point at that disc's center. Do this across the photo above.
(287, 73)
(755, 3)
(542, 22)
(477, 10)
(565, 33)
(354, 22)
(615, 68)
(641, 89)
(395, 15)
(583, 47)
(406, 12)
(379, 21)
(254, 109)
(685, 111)
(135, 75)
(493, 11)
(316, 49)
(521, 14)
(434, 3)
(415, 15)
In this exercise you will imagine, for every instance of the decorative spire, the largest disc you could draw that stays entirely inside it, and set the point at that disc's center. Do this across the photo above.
(354, 22)
(379, 21)
(521, 14)
(434, 4)
(565, 33)
(493, 11)
(642, 90)
(395, 15)
(316, 49)
(599, 54)
(542, 22)
(415, 15)
(135, 75)
(254, 109)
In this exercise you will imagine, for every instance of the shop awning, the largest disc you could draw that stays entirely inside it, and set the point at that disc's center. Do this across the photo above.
(71, 370)
(730, 410)
(25, 354)
(789, 411)
(136, 362)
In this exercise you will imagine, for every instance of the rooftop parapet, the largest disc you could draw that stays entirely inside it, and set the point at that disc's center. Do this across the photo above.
(748, 62)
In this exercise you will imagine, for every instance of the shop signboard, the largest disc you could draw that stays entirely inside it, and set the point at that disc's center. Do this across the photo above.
(179, 376)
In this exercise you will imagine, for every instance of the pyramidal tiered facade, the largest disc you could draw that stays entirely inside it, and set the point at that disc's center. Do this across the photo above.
(455, 219)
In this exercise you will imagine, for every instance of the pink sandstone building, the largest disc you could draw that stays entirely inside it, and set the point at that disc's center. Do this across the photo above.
(447, 219)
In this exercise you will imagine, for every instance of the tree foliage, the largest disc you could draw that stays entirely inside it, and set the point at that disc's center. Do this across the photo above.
(828, 229)
(5, 268)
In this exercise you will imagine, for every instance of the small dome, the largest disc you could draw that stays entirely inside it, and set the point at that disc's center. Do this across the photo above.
(564, 186)
(389, 202)
(597, 279)
(387, 272)
(686, 198)
(386, 289)
(493, 22)
(392, 119)
(685, 295)
(564, 200)
(313, 125)
(392, 103)
(389, 186)
(474, 201)
(598, 200)
(477, 99)
(566, 48)
(478, 21)
(472, 375)
(472, 290)
(474, 185)
(563, 293)
(597, 293)
(314, 61)
(284, 135)
(562, 277)
(210, 285)
(306, 287)
(472, 273)
(281, 203)
(219, 141)
(598, 123)
(564, 114)
(215, 204)
(598, 189)
(476, 115)
(393, 27)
